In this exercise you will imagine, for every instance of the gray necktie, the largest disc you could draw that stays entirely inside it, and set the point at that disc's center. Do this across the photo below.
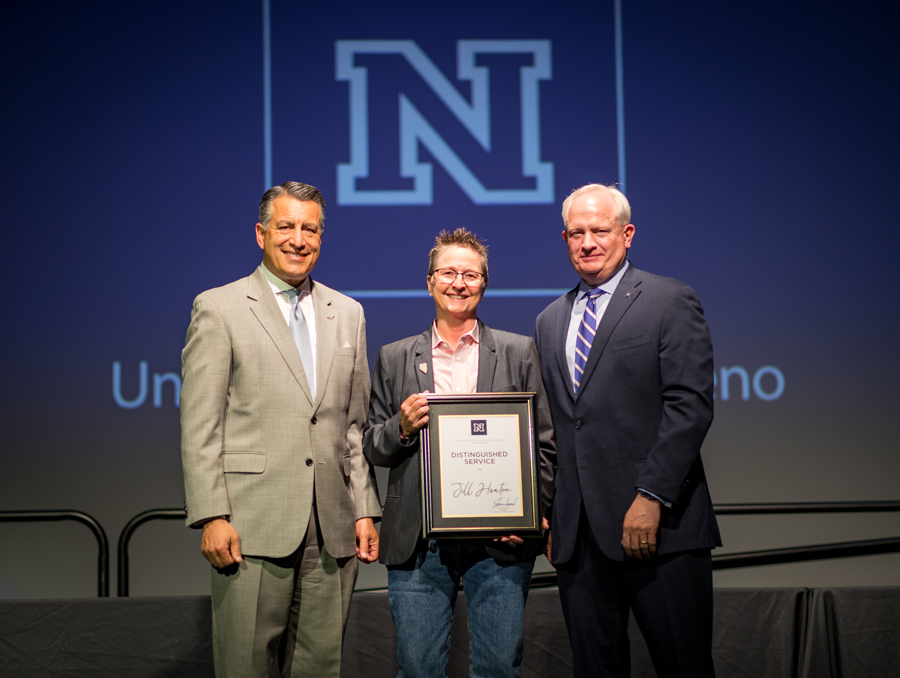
(300, 332)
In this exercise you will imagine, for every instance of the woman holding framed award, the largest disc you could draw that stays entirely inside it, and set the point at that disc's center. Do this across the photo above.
(487, 470)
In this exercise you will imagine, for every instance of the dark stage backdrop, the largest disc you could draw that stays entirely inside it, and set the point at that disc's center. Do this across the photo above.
(758, 146)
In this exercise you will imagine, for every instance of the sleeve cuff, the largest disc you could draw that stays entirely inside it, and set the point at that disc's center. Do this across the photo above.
(204, 521)
(406, 442)
(650, 495)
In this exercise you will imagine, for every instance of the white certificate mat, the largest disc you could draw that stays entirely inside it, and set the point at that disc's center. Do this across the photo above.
(480, 466)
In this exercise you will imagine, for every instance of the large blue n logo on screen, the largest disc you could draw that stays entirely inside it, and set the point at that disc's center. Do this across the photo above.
(475, 116)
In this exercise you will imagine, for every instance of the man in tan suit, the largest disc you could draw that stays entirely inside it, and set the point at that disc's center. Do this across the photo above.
(275, 396)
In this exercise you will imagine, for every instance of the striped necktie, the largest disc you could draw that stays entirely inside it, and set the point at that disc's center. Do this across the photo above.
(300, 332)
(585, 336)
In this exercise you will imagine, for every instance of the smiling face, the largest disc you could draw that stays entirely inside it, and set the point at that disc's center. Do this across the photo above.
(597, 243)
(292, 241)
(456, 301)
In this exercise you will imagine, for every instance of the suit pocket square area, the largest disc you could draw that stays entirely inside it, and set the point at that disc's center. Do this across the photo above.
(629, 342)
(244, 462)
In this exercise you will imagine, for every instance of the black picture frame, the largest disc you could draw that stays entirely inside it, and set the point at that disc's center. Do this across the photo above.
(524, 522)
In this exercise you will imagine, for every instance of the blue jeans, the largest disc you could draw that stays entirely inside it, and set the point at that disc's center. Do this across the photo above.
(422, 599)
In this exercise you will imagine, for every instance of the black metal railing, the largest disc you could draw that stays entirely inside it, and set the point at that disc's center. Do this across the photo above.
(125, 538)
(719, 562)
(797, 554)
(806, 507)
(77, 516)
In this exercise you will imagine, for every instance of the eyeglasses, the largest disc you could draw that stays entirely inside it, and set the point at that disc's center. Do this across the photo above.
(448, 276)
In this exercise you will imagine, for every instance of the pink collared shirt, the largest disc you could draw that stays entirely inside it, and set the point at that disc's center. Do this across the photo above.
(455, 371)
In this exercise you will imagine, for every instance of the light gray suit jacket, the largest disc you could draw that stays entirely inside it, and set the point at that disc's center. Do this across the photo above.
(255, 446)
(506, 362)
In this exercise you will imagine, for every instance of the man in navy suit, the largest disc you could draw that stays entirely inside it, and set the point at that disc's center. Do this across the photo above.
(627, 362)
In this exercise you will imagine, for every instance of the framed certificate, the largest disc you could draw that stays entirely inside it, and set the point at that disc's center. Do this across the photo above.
(479, 468)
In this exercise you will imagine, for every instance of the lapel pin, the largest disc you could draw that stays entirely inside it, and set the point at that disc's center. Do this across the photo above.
(423, 368)
(331, 317)
(628, 295)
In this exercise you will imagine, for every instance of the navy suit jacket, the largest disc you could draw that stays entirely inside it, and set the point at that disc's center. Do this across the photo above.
(506, 362)
(640, 417)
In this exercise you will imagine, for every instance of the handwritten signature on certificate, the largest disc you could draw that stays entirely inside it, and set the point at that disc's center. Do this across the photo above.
(500, 503)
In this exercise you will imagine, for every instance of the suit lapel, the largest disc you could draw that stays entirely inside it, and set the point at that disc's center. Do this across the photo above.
(326, 336)
(487, 359)
(264, 306)
(561, 322)
(625, 294)
(423, 367)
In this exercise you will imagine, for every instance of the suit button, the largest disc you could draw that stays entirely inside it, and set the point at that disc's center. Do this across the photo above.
(313, 420)
(309, 462)
(578, 423)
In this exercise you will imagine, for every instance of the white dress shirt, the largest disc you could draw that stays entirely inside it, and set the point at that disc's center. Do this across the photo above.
(277, 285)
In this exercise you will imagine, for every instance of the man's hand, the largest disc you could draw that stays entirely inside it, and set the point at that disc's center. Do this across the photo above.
(518, 541)
(413, 414)
(640, 527)
(221, 544)
(511, 539)
(366, 540)
(545, 524)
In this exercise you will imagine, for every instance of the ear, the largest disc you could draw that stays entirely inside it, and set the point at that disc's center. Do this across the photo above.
(629, 234)
(565, 235)
(260, 236)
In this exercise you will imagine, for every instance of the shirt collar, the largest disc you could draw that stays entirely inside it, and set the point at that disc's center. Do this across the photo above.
(437, 340)
(609, 286)
(277, 285)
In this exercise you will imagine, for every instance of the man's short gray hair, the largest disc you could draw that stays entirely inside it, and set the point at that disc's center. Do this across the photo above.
(295, 190)
(623, 209)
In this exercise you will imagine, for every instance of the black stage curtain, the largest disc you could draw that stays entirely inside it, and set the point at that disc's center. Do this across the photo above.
(853, 633)
(759, 633)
